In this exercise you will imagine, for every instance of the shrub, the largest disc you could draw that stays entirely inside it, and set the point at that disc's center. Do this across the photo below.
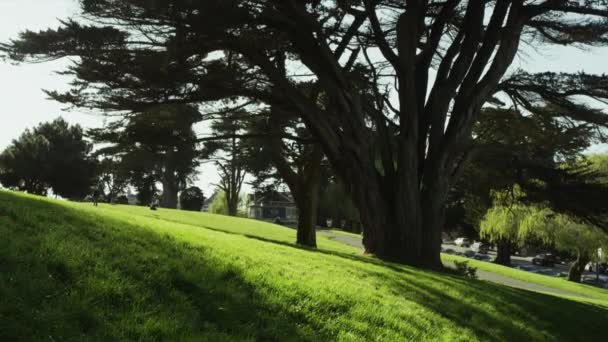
(463, 268)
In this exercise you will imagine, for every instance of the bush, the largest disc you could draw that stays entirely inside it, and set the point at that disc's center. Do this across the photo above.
(122, 200)
(192, 199)
(463, 268)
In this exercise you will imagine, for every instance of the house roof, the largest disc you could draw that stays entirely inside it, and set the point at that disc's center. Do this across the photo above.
(275, 196)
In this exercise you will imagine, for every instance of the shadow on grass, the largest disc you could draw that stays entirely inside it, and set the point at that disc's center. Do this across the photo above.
(71, 276)
(68, 276)
(506, 320)
(496, 312)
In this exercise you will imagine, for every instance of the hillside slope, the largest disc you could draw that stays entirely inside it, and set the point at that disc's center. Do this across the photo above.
(72, 272)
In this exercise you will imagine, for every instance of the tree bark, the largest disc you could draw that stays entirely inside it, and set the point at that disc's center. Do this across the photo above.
(577, 268)
(395, 229)
(307, 218)
(503, 252)
(307, 198)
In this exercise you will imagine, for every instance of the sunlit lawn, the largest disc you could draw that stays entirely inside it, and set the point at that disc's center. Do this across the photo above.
(73, 272)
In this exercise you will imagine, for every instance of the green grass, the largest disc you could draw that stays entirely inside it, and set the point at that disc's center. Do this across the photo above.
(71, 272)
(345, 233)
(586, 291)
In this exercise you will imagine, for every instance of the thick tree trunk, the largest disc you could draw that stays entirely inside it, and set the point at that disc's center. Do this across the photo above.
(169, 197)
(303, 177)
(397, 230)
(577, 268)
(307, 218)
(503, 252)
(307, 198)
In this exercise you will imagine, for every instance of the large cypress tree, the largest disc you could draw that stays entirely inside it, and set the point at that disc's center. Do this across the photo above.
(449, 59)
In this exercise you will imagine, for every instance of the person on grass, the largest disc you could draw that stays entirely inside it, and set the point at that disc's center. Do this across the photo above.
(96, 197)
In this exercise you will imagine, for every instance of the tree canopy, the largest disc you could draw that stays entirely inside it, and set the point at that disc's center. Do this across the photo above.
(52, 156)
(158, 145)
(397, 140)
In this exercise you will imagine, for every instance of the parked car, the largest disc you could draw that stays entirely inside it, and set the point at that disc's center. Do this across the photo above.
(469, 254)
(482, 257)
(480, 247)
(462, 242)
(545, 259)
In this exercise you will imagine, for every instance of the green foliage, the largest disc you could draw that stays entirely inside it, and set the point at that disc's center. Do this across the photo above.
(336, 204)
(194, 276)
(541, 155)
(192, 199)
(156, 145)
(600, 163)
(564, 234)
(578, 291)
(54, 155)
(502, 222)
(219, 205)
(510, 220)
(113, 179)
(463, 268)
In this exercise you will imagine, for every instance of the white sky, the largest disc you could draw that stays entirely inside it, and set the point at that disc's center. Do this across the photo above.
(23, 104)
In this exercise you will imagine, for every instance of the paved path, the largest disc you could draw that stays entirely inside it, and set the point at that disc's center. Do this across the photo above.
(342, 238)
(483, 275)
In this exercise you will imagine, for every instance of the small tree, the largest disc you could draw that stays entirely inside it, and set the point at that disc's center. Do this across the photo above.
(566, 235)
(192, 199)
(500, 225)
(230, 159)
(219, 205)
(113, 179)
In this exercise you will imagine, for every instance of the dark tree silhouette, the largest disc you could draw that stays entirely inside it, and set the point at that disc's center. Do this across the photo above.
(192, 199)
(53, 155)
(159, 142)
(397, 158)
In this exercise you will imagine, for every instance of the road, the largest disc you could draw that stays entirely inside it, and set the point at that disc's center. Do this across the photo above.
(523, 263)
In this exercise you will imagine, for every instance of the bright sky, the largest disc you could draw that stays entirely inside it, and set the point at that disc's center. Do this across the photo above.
(24, 104)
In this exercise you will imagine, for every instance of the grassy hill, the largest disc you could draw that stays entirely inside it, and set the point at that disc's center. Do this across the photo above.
(74, 272)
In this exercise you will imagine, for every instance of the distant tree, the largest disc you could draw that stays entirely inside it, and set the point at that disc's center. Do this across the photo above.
(158, 143)
(53, 155)
(566, 235)
(230, 158)
(510, 223)
(501, 225)
(21, 164)
(112, 179)
(337, 205)
(192, 199)
(219, 205)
